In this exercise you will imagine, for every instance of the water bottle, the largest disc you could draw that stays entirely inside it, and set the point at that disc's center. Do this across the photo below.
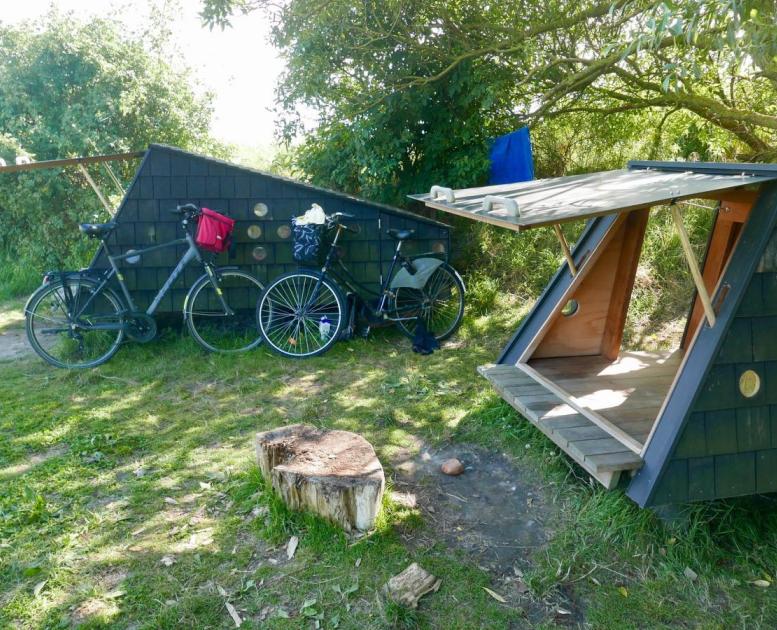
(324, 328)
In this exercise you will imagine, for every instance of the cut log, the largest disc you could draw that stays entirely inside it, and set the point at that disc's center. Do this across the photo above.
(334, 474)
(412, 584)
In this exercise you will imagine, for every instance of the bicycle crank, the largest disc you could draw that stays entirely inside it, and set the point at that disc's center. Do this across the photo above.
(140, 327)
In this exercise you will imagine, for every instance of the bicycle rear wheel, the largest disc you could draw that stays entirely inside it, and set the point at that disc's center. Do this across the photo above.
(210, 325)
(301, 314)
(64, 336)
(440, 304)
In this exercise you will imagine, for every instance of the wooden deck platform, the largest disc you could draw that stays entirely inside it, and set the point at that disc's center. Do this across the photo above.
(599, 412)
(627, 392)
(600, 454)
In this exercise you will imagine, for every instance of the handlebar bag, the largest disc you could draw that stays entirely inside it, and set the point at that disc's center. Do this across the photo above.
(214, 231)
(307, 242)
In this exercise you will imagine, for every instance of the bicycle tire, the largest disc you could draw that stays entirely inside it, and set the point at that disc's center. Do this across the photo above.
(444, 278)
(32, 316)
(286, 328)
(237, 333)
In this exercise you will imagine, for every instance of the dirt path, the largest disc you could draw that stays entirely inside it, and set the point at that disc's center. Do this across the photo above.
(498, 512)
(13, 341)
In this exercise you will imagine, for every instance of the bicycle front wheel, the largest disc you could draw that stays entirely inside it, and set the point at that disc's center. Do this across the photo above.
(218, 329)
(301, 314)
(440, 304)
(71, 325)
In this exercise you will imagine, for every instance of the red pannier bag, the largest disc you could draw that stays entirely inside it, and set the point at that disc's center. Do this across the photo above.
(214, 231)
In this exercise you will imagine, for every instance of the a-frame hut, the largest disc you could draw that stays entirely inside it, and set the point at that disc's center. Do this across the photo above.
(262, 204)
(695, 423)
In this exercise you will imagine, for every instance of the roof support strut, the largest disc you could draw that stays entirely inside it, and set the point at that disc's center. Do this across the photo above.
(96, 188)
(698, 280)
(115, 179)
(565, 248)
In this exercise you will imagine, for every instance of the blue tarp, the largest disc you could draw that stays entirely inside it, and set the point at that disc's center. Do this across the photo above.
(511, 158)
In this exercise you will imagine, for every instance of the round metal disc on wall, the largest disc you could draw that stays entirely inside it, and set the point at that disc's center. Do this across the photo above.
(259, 253)
(749, 383)
(570, 308)
(254, 231)
(261, 210)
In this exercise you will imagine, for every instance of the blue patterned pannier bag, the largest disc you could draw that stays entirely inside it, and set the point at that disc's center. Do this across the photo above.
(307, 242)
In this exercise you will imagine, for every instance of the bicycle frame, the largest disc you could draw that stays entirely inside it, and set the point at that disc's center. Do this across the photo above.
(356, 286)
(192, 253)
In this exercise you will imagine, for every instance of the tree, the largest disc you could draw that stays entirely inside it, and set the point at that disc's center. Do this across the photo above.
(69, 88)
(359, 64)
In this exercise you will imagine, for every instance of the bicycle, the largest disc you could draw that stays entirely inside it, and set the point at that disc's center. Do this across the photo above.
(303, 313)
(75, 320)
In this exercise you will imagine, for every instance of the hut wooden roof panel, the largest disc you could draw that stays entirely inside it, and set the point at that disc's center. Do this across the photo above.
(562, 199)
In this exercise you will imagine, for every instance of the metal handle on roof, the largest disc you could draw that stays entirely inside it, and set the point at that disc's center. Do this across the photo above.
(445, 192)
(511, 205)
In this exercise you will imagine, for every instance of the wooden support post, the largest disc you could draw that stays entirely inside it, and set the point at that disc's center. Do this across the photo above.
(704, 296)
(565, 248)
(96, 189)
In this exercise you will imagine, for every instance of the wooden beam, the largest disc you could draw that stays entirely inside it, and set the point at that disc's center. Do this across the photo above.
(693, 265)
(722, 240)
(16, 168)
(565, 248)
(95, 188)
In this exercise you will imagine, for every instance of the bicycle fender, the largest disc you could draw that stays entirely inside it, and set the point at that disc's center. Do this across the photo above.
(425, 267)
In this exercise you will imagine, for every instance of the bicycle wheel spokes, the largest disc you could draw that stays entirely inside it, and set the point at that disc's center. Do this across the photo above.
(212, 325)
(300, 315)
(440, 305)
(65, 334)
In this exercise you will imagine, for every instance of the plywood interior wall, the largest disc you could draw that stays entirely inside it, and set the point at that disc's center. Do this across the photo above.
(603, 295)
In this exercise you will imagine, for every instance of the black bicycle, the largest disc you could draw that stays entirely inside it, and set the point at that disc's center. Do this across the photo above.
(75, 320)
(303, 313)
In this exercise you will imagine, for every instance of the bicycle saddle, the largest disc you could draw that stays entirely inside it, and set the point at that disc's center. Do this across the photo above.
(400, 235)
(97, 230)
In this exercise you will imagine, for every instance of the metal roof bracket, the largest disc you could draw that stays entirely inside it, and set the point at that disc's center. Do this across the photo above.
(565, 248)
(693, 265)
(445, 192)
(510, 205)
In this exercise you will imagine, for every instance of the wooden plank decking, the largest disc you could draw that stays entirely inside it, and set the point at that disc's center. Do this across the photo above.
(627, 392)
(591, 447)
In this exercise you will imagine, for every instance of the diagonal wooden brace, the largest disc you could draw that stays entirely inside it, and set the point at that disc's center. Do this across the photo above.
(96, 189)
(565, 248)
(698, 280)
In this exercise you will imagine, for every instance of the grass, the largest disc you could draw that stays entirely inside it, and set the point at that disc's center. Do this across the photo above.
(129, 499)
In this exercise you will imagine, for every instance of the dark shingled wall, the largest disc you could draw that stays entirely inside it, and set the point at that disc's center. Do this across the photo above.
(168, 177)
(729, 445)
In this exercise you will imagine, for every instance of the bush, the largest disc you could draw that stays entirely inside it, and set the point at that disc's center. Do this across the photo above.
(72, 88)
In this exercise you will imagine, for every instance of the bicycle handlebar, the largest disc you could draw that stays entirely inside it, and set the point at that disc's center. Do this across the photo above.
(187, 209)
(335, 220)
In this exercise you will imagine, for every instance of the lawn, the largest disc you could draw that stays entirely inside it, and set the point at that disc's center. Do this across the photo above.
(129, 499)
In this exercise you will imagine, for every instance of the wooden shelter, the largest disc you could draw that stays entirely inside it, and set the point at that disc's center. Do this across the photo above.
(694, 423)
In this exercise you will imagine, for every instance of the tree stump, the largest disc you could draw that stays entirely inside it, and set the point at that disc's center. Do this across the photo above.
(335, 474)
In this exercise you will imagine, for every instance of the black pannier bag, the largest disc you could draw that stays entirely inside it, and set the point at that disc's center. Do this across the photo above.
(307, 242)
